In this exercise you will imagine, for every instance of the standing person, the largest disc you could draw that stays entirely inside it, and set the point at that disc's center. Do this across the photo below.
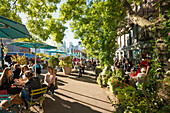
(123, 60)
(127, 66)
(94, 65)
(17, 71)
(88, 65)
(120, 64)
(116, 61)
(49, 80)
(38, 69)
(32, 84)
(80, 68)
(6, 81)
(82, 65)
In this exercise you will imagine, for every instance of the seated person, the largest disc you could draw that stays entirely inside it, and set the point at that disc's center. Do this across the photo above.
(22, 74)
(132, 72)
(119, 71)
(49, 80)
(32, 84)
(17, 71)
(6, 81)
(139, 70)
(30, 64)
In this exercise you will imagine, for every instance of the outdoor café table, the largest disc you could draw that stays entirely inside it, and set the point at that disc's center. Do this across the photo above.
(15, 89)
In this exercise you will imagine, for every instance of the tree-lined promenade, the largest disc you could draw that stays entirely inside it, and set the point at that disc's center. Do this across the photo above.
(110, 30)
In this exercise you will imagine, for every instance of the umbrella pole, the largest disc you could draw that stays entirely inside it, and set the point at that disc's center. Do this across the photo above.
(35, 61)
(2, 54)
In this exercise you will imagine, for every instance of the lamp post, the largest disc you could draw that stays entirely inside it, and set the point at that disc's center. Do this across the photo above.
(2, 53)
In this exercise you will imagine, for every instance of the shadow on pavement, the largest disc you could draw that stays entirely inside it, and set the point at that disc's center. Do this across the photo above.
(84, 95)
(84, 79)
(59, 105)
(79, 110)
(87, 77)
(61, 75)
(61, 82)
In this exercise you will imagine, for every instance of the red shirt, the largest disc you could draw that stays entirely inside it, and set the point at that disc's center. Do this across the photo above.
(138, 71)
(144, 63)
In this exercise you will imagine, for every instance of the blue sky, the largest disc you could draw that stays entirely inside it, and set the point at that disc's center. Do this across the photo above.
(68, 34)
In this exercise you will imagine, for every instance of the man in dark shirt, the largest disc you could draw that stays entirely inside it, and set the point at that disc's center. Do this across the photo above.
(17, 71)
(31, 84)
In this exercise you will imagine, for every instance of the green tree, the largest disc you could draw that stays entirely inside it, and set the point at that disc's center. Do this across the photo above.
(39, 15)
(96, 25)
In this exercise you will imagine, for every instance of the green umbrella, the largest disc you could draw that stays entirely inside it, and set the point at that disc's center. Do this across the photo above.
(57, 51)
(34, 45)
(12, 30)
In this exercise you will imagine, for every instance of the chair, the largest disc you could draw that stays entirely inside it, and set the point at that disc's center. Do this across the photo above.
(6, 97)
(39, 100)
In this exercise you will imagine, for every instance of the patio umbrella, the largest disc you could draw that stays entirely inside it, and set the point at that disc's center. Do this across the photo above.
(34, 45)
(57, 51)
(12, 30)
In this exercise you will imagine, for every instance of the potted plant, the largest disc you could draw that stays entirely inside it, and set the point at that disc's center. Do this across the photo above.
(21, 60)
(66, 64)
(53, 62)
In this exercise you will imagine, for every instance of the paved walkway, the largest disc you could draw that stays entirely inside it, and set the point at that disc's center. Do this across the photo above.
(78, 95)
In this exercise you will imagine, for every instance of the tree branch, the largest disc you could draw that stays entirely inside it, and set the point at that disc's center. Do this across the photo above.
(134, 17)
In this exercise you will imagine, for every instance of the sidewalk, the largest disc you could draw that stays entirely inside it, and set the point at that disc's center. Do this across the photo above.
(78, 95)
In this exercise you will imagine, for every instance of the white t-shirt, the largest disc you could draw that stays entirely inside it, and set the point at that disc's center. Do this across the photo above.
(49, 79)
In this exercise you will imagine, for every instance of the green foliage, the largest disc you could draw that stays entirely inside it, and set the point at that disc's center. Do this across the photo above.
(131, 100)
(98, 70)
(44, 58)
(39, 15)
(66, 62)
(53, 61)
(20, 60)
(96, 25)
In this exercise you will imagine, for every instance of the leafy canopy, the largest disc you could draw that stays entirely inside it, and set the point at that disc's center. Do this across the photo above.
(39, 15)
(96, 24)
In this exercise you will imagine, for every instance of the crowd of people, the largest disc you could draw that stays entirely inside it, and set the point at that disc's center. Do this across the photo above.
(133, 72)
(81, 64)
(18, 81)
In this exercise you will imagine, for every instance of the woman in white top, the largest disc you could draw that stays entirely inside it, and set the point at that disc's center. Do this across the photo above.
(50, 79)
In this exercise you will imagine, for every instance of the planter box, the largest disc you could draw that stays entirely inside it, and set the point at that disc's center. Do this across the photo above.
(67, 70)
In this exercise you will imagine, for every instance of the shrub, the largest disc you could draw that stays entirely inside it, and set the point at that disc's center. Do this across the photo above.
(66, 62)
(53, 61)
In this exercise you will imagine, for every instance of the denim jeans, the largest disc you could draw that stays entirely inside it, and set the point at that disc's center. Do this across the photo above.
(25, 97)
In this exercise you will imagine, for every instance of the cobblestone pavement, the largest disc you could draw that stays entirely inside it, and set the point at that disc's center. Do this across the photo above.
(78, 95)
